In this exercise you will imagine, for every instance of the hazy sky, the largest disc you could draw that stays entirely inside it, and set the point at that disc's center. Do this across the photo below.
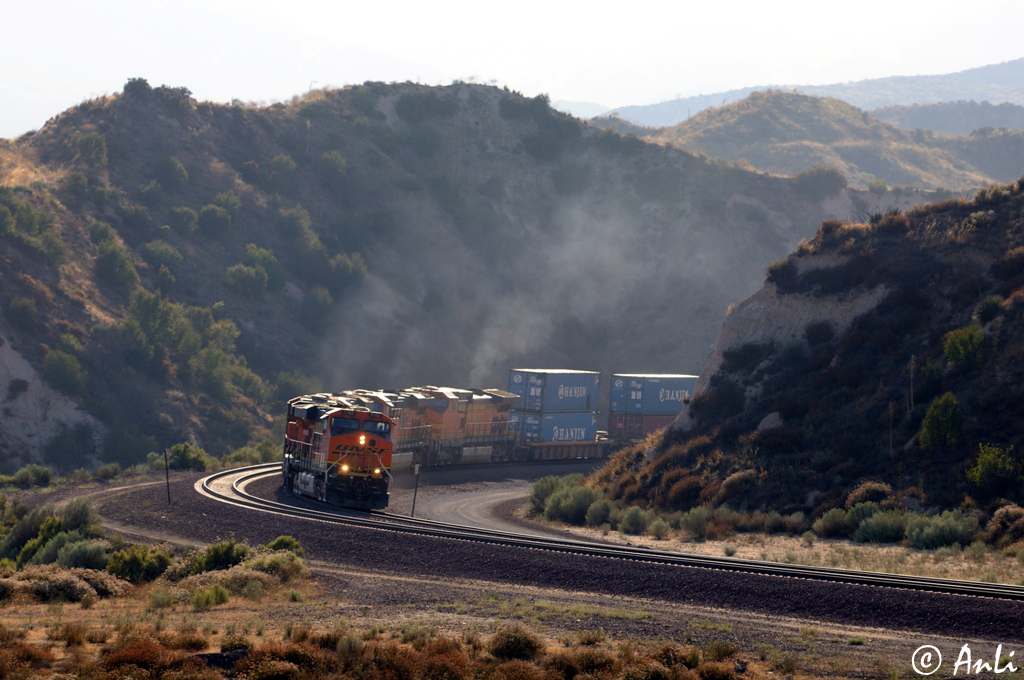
(56, 54)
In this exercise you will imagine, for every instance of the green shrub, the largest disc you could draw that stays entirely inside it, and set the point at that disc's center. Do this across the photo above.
(64, 372)
(50, 527)
(162, 253)
(995, 470)
(264, 258)
(599, 512)
(214, 221)
(184, 219)
(877, 186)
(286, 542)
(882, 527)
(187, 456)
(172, 174)
(247, 280)
(138, 563)
(965, 348)
(83, 555)
(514, 642)
(949, 528)
(541, 489)
(282, 176)
(92, 148)
(333, 168)
(46, 551)
(33, 475)
(151, 194)
(294, 221)
(114, 267)
(100, 232)
(138, 89)
(942, 423)
(220, 555)
(230, 201)
(832, 524)
(659, 528)
(695, 520)
(205, 598)
(634, 521)
(23, 313)
(819, 182)
(858, 513)
(108, 471)
(987, 309)
(570, 504)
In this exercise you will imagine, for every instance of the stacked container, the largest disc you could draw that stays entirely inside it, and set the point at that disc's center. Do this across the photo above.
(642, 403)
(554, 405)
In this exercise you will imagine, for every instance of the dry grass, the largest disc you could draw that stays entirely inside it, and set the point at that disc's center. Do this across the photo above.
(972, 563)
(19, 169)
(322, 636)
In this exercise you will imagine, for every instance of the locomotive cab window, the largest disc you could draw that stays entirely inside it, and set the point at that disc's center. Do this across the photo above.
(378, 427)
(343, 425)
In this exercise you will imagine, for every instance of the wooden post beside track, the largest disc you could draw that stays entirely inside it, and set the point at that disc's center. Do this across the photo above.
(416, 471)
(167, 475)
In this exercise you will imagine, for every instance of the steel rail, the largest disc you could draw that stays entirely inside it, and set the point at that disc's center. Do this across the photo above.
(398, 523)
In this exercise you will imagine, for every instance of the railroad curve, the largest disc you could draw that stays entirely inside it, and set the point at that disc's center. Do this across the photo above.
(229, 487)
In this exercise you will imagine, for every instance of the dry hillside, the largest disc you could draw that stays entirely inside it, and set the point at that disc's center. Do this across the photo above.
(179, 267)
(887, 352)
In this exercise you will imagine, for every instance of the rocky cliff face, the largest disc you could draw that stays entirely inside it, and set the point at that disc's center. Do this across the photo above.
(33, 412)
(770, 319)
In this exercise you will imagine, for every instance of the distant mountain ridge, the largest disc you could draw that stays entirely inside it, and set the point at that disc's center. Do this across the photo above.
(954, 118)
(789, 133)
(995, 83)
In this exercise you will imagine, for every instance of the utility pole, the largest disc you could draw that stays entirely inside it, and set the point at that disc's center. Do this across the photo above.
(167, 476)
(416, 470)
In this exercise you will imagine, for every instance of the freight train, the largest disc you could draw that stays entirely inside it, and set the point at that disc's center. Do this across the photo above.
(340, 447)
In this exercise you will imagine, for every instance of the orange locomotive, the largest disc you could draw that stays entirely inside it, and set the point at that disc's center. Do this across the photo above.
(337, 451)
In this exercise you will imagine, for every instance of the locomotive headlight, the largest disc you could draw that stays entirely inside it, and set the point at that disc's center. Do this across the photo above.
(376, 471)
(344, 468)
(362, 440)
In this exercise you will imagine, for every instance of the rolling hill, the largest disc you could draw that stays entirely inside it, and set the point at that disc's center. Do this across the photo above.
(882, 356)
(788, 133)
(178, 268)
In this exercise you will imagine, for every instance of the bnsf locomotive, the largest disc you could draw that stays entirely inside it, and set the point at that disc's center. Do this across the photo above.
(339, 448)
(337, 452)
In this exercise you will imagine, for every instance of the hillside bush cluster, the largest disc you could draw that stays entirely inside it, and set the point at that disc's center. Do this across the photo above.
(31, 229)
(868, 518)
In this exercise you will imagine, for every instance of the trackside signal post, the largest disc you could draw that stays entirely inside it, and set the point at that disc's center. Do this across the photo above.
(415, 488)
(167, 476)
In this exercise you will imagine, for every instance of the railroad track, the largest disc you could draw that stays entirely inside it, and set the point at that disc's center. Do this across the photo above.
(229, 486)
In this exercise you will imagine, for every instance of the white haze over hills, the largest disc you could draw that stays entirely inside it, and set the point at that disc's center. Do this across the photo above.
(58, 53)
(996, 84)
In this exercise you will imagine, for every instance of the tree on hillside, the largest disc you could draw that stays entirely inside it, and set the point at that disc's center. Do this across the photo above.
(942, 423)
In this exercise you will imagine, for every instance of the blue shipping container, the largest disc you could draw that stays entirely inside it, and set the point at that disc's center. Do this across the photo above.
(568, 427)
(550, 390)
(627, 394)
(526, 425)
(656, 394)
